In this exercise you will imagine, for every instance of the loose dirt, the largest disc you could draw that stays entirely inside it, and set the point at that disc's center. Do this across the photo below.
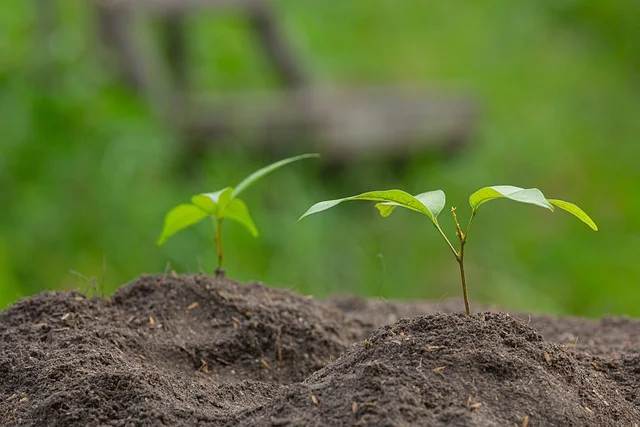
(194, 350)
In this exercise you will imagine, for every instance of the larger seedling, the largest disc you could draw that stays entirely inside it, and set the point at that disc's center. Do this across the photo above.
(432, 203)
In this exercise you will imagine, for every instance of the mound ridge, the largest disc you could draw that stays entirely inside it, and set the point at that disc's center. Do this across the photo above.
(227, 328)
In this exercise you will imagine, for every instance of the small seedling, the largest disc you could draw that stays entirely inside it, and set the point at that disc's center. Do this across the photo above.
(432, 203)
(219, 205)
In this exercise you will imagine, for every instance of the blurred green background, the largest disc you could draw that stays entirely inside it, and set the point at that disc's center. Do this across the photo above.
(87, 171)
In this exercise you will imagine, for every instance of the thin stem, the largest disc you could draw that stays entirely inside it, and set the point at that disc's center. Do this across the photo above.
(463, 279)
(460, 258)
(455, 253)
(466, 233)
(217, 226)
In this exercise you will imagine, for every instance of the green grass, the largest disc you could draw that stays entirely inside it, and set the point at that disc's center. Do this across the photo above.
(559, 95)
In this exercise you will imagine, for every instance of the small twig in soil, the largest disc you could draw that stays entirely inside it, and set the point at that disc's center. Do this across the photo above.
(473, 405)
(439, 370)
(224, 362)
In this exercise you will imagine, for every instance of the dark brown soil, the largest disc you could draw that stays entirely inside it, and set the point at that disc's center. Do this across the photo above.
(193, 350)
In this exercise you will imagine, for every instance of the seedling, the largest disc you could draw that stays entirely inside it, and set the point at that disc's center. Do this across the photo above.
(432, 203)
(219, 205)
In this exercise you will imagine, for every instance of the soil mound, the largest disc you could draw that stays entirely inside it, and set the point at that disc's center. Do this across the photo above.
(193, 350)
(452, 370)
(231, 330)
(162, 351)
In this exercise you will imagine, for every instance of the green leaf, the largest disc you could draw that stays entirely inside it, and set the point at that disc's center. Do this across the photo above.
(532, 196)
(212, 203)
(267, 170)
(236, 210)
(398, 197)
(178, 218)
(574, 210)
(433, 200)
(386, 208)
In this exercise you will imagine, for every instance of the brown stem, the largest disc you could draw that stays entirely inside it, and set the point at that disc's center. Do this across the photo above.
(460, 258)
(463, 278)
(218, 236)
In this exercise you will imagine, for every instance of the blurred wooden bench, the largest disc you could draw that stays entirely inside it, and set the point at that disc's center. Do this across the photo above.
(338, 122)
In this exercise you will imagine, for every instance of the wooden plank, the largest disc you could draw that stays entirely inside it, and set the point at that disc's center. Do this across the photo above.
(338, 122)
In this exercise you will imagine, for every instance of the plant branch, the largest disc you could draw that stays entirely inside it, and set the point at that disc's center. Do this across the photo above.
(459, 232)
(444, 236)
(460, 258)
(466, 233)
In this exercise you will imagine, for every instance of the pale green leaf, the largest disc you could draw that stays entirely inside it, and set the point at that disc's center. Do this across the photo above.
(267, 170)
(433, 200)
(236, 210)
(321, 206)
(212, 203)
(179, 218)
(399, 197)
(574, 210)
(532, 196)
(386, 208)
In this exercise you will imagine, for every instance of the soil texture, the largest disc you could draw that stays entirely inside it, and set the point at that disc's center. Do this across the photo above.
(195, 350)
